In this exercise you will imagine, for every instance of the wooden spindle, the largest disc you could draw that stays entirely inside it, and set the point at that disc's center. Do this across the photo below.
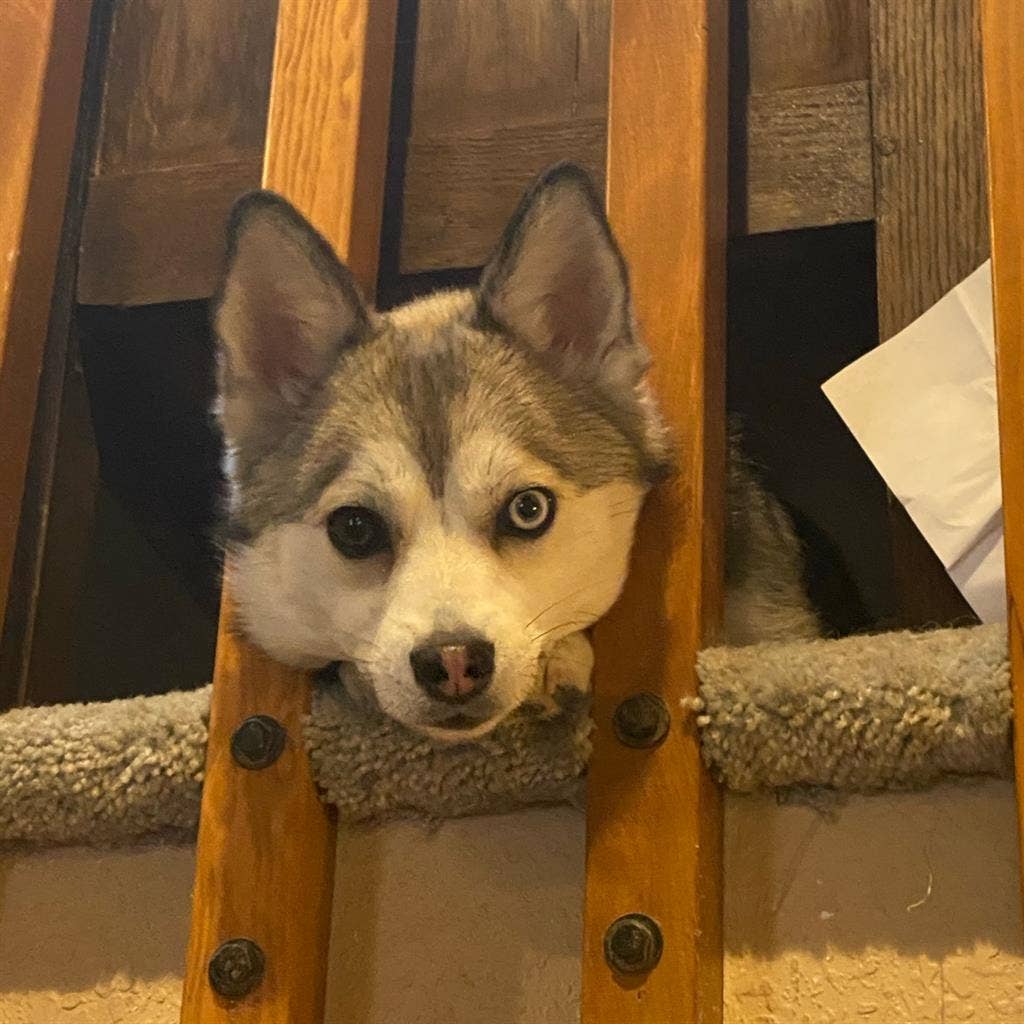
(265, 858)
(654, 831)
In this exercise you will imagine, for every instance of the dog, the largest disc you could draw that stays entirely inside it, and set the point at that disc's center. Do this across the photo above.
(442, 498)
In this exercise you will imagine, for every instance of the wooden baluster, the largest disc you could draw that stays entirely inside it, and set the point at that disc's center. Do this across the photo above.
(654, 830)
(1003, 51)
(265, 859)
(42, 57)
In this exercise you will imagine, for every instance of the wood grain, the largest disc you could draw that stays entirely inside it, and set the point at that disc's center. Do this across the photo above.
(808, 165)
(184, 116)
(158, 235)
(931, 211)
(460, 189)
(808, 158)
(1003, 37)
(187, 82)
(502, 90)
(62, 471)
(654, 817)
(482, 64)
(42, 54)
(265, 857)
(793, 44)
(929, 151)
(327, 130)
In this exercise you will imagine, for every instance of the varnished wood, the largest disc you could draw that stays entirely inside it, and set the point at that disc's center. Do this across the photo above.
(42, 54)
(54, 527)
(502, 89)
(932, 229)
(1003, 39)
(327, 130)
(654, 817)
(505, 89)
(265, 856)
(808, 165)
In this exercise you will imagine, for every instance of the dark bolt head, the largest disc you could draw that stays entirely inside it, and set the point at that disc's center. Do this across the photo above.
(258, 742)
(641, 720)
(236, 968)
(633, 944)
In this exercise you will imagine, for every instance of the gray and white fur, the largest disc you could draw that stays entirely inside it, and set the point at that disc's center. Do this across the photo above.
(442, 497)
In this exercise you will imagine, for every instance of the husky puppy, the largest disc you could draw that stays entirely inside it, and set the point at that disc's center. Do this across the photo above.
(442, 497)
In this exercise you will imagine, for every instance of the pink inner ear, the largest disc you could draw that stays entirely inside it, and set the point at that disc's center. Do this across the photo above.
(579, 312)
(279, 353)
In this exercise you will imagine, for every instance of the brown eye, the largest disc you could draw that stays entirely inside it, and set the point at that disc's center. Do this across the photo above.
(357, 532)
(528, 513)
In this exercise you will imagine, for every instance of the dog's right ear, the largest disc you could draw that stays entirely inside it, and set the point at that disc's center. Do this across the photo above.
(287, 309)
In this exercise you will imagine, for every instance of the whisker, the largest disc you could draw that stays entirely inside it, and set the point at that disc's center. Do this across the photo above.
(566, 597)
(568, 622)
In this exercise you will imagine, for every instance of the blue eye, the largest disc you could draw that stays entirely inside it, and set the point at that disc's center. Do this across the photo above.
(528, 513)
(357, 532)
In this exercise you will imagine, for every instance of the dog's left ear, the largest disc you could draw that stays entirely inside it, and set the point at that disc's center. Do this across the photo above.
(558, 283)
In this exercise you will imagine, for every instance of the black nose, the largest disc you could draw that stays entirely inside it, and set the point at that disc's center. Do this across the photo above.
(454, 670)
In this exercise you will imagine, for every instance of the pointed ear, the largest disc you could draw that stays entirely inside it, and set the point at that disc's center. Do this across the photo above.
(287, 309)
(559, 284)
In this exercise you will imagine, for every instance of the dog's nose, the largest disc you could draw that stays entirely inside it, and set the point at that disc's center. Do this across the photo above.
(454, 671)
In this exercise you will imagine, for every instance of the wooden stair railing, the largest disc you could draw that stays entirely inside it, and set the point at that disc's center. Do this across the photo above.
(265, 859)
(1003, 64)
(42, 58)
(266, 846)
(654, 825)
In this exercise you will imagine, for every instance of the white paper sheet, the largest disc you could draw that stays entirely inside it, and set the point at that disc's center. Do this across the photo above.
(923, 408)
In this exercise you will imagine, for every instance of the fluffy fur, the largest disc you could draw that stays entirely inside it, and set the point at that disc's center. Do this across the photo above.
(433, 417)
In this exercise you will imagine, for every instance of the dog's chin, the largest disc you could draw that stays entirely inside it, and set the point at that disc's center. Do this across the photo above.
(460, 728)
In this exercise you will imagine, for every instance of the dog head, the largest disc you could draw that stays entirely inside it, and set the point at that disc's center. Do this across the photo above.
(437, 494)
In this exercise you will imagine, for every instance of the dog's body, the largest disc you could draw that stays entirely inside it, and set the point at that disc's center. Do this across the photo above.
(442, 498)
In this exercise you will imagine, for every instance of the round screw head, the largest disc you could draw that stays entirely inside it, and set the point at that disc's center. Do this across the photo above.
(641, 720)
(258, 742)
(633, 944)
(236, 968)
